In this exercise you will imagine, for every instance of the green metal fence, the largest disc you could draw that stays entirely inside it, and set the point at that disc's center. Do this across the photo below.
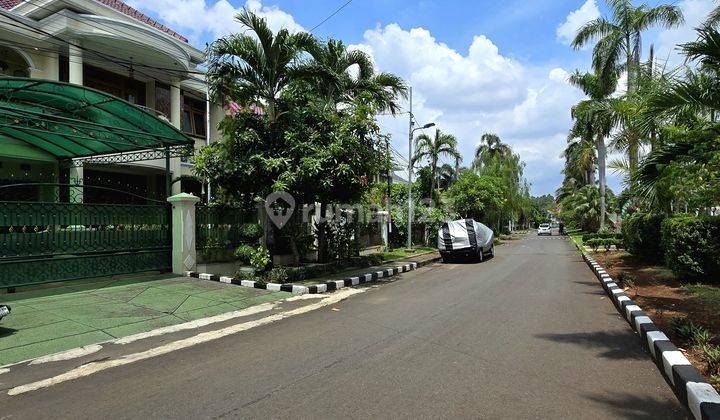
(219, 227)
(43, 242)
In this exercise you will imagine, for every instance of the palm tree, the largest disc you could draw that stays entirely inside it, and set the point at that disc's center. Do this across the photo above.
(253, 68)
(433, 149)
(592, 121)
(490, 147)
(381, 90)
(623, 35)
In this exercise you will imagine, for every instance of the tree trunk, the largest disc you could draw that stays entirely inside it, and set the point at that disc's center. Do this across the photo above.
(601, 174)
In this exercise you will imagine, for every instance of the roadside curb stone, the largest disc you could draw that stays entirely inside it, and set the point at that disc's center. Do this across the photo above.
(324, 287)
(684, 379)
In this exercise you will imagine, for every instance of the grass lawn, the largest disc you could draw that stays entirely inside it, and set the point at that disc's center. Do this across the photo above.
(707, 294)
(397, 254)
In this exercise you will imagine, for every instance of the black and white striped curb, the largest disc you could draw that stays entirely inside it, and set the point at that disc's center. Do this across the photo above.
(328, 286)
(686, 381)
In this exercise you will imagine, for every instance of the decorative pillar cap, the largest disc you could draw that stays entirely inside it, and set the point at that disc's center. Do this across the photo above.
(183, 198)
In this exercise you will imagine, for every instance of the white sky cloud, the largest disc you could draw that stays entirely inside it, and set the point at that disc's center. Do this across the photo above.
(482, 90)
(695, 13)
(575, 20)
(196, 17)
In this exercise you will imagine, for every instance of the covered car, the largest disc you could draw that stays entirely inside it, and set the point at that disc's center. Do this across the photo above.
(465, 238)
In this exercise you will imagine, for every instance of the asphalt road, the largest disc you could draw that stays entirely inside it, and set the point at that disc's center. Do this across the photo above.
(528, 334)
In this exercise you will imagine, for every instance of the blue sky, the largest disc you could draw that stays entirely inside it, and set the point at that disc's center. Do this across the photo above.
(476, 66)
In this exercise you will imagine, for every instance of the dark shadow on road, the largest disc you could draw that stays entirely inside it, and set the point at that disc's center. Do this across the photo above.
(612, 345)
(629, 406)
(4, 332)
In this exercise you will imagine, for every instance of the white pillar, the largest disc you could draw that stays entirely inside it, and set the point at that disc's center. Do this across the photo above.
(150, 94)
(175, 118)
(175, 103)
(75, 63)
(184, 255)
(384, 232)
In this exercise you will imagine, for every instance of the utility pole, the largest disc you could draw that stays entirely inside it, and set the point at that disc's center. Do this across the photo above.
(389, 187)
(410, 165)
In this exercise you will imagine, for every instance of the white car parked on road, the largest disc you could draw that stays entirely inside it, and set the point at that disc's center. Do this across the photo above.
(544, 229)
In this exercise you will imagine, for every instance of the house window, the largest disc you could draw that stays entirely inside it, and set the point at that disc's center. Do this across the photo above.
(115, 84)
(193, 117)
(13, 64)
(162, 99)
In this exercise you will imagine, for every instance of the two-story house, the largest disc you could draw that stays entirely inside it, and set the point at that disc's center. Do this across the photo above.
(109, 46)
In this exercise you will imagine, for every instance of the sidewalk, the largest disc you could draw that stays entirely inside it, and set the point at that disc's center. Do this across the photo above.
(55, 319)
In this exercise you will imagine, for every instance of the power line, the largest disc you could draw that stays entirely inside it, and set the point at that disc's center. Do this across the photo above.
(331, 15)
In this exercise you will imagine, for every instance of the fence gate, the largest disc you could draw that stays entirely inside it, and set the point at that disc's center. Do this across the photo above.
(47, 241)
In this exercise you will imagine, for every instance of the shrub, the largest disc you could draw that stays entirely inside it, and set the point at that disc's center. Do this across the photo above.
(692, 247)
(684, 327)
(250, 233)
(607, 243)
(260, 259)
(244, 253)
(594, 243)
(641, 234)
(276, 275)
(711, 354)
(702, 337)
(601, 235)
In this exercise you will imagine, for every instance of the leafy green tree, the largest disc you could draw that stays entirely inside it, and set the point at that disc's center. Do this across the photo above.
(321, 156)
(478, 197)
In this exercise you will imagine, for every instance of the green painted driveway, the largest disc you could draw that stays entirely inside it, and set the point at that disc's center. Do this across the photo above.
(51, 320)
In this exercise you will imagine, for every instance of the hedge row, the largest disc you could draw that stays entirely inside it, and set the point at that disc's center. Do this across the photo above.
(692, 247)
(601, 235)
(689, 245)
(641, 234)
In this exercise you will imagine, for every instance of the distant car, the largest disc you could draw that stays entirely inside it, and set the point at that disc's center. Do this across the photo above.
(544, 229)
(4, 311)
(465, 238)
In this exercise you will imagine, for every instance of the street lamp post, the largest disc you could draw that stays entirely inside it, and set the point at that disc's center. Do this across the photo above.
(411, 131)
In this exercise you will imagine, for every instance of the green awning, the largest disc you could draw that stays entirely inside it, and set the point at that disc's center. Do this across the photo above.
(71, 121)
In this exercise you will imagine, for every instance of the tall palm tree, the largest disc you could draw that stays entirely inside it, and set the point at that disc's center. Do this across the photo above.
(382, 90)
(433, 149)
(490, 147)
(253, 67)
(622, 35)
(619, 42)
(592, 121)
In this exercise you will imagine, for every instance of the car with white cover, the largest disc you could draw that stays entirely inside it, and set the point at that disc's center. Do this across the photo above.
(465, 238)
(4, 311)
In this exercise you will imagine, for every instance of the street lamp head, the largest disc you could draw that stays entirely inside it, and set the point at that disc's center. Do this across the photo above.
(428, 125)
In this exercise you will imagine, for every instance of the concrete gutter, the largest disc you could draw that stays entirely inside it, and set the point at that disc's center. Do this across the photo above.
(686, 382)
(327, 286)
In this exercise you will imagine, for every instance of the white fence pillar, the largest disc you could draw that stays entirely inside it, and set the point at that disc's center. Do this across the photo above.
(184, 256)
(383, 220)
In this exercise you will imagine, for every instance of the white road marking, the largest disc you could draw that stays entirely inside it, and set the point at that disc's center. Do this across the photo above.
(205, 337)
(4, 371)
(197, 323)
(68, 354)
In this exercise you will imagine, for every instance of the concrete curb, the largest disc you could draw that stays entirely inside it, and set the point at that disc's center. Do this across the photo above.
(327, 286)
(686, 382)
